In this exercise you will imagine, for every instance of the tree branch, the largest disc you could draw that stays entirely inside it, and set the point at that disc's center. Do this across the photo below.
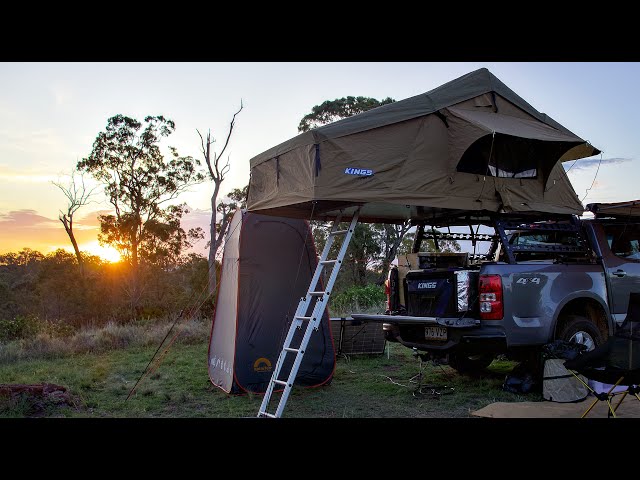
(206, 151)
(233, 122)
(216, 174)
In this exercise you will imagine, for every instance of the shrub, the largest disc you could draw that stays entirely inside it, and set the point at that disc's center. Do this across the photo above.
(57, 329)
(358, 299)
(20, 326)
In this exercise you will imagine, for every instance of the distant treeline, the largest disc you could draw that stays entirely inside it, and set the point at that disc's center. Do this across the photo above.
(38, 290)
(49, 294)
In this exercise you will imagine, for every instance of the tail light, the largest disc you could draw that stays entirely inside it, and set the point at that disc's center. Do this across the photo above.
(490, 289)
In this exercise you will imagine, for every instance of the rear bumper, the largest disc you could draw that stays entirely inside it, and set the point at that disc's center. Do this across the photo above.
(463, 334)
(409, 320)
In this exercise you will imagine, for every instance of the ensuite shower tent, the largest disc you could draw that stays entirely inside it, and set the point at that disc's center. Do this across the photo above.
(267, 266)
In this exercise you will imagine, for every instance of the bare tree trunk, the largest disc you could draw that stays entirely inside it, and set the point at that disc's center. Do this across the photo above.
(386, 262)
(217, 236)
(354, 271)
(135, 278)
(362, 272)
(391, 246)
(134, 254)
(217, 173)
(213, 249)
(68, 226)
(77, 196)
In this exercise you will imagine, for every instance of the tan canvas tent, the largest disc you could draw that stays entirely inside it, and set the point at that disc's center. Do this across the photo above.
(469, 145)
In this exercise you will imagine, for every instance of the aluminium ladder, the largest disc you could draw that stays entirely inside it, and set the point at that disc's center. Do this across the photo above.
(321, 298)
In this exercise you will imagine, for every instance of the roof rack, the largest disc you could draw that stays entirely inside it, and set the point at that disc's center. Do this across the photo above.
(573, 226)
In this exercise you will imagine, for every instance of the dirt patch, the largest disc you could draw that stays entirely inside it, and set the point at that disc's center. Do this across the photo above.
(35, 400)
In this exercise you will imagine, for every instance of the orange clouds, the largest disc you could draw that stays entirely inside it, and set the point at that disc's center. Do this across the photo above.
(26, 228)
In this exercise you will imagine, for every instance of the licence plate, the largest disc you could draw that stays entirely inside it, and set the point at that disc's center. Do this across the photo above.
(435, 333)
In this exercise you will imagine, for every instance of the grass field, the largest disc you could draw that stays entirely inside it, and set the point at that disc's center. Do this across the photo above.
(362, 387)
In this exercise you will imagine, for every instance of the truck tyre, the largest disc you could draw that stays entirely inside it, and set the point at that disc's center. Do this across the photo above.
(470, 364)
(578, 329)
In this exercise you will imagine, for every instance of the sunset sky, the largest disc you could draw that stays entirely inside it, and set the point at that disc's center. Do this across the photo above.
(50, 114)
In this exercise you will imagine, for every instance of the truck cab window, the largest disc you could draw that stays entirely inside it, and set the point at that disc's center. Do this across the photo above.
(623, 240)
(550, 239)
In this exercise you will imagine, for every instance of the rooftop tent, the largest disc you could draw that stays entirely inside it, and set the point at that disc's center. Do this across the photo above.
(267, 265)
(471, 144)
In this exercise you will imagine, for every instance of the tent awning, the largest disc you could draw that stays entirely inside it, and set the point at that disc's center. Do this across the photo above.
(619, 209)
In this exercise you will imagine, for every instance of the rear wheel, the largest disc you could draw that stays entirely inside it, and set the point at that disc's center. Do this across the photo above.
(578, 329)
(470, 364)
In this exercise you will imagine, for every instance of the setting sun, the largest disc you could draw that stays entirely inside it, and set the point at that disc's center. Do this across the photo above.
(109, 254)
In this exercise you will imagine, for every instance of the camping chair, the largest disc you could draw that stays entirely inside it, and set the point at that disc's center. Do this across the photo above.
(616, 362)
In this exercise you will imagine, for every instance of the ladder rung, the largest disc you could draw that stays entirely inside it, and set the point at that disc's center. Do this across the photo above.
(294, 350)
(328, 262)
(268, 415)
(316, 294)
(280, 382)
(338, 232)
(303, 318)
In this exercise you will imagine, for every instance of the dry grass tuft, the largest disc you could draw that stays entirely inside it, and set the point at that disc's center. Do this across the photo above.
(110, 337)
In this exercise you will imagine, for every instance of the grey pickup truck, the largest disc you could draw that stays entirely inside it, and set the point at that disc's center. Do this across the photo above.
(542, 278)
